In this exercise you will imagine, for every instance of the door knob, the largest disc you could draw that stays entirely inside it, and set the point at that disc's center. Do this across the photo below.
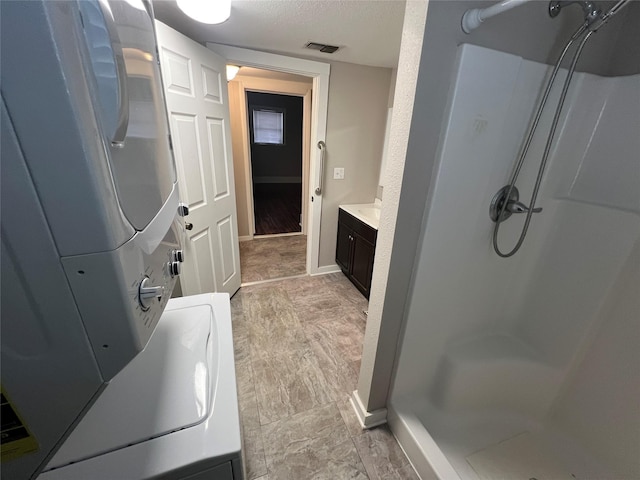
(188, 226)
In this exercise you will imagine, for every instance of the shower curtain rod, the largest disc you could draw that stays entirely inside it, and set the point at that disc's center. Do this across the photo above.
(474, 17)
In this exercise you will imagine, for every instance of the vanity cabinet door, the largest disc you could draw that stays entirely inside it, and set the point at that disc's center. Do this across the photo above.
(343, 247)
(355, 251)
(362, 264)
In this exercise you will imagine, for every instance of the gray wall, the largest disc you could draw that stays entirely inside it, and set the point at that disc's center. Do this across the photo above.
(358, 97)
(625, 52)
(527, 31)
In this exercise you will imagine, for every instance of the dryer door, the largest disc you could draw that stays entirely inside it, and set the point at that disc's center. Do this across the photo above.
(123, 56)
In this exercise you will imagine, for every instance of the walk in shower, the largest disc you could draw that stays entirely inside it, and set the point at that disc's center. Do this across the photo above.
(527, 367)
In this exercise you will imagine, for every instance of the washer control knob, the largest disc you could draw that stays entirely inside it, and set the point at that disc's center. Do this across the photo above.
(174, 268)
(147, 293)
(178, 255)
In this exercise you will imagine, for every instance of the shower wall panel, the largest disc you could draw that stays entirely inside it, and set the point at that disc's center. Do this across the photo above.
(600, 404)
(549, 295)
(593, 183)
(461, 287)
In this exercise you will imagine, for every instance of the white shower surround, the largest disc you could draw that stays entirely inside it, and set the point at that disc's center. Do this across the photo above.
(492, 345)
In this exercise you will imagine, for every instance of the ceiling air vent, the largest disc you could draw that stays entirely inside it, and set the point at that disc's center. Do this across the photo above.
(322, 47)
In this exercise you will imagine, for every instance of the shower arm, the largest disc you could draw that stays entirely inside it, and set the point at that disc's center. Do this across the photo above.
(589, 8)
(610, 13)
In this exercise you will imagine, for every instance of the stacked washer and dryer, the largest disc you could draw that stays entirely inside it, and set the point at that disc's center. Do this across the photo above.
(103, 376)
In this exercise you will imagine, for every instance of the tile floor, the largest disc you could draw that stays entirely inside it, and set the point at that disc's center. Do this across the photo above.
(273, 257)
(298, 344)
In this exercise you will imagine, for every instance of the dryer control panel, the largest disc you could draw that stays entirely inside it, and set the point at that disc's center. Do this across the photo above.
(122, 293)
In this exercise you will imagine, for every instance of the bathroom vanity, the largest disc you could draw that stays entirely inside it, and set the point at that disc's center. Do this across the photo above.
(356, 243)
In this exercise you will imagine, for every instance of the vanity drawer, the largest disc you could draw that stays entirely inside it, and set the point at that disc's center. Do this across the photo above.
(365, 231)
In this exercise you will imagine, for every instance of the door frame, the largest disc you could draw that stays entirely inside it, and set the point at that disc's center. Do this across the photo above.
(278, 87)
(319, 72)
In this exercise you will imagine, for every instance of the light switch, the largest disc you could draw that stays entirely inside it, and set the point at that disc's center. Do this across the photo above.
(338, 173)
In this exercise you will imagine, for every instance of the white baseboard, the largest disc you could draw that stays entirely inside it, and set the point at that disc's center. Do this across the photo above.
(271, 280)
(277, 179)
(367, 419)
(326, 269)
(274, 235)
(245, 238)
(424, 454)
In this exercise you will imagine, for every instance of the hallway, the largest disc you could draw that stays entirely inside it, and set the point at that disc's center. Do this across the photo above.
(298, 344)
(267, 258)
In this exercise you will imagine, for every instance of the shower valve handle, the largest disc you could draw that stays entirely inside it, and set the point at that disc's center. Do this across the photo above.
(508, 194)
(519, 207)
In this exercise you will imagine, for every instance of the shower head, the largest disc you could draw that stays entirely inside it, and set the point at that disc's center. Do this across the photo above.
(591, 11)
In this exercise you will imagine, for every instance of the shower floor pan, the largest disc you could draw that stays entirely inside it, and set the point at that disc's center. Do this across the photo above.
(487, 446)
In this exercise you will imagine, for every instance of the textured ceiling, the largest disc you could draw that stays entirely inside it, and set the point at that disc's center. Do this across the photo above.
(367, 31)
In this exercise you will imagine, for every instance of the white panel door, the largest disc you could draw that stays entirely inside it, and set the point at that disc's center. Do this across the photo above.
(196, 92)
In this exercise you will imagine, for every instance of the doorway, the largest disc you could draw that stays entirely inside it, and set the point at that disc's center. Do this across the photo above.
(271, 130)
(276, 138)
(318, 74)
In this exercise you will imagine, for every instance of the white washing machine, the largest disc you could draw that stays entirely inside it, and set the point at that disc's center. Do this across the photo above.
(104, 377)
(171, 413)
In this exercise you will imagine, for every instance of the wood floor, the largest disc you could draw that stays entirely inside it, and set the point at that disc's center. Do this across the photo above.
(273, 257)
(277, 207)
(298, 345)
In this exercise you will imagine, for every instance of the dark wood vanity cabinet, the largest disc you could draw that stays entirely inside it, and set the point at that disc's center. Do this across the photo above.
(355, 250)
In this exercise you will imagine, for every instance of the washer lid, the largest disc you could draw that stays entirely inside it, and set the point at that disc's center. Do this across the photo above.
(169, 386)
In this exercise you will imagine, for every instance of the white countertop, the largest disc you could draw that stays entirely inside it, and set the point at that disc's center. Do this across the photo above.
(368, 213)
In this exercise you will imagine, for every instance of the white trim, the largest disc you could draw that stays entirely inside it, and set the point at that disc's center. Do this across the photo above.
(277, 179)
(306, 155)
(270, 280)
(274, 235)
(326, 270)
(266, 85)
(367, 419)
(246, 156)
(245, 238)
(424, 454)
(320, 99)
(270, 61)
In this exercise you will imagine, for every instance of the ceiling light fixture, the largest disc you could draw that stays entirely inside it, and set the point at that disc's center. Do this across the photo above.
(206, 11)
(232, 71)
